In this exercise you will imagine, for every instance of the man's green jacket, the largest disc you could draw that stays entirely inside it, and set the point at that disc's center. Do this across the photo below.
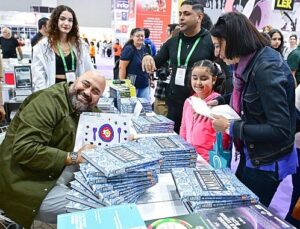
(33, 153)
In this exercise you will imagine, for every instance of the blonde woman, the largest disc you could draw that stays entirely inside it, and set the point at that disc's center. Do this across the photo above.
(9, 45)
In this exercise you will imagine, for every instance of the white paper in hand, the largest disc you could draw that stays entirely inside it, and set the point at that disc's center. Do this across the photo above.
(200, 107)
(226, 111)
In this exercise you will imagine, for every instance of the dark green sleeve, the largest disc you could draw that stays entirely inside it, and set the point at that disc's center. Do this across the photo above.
(294, 61)
(31, 145)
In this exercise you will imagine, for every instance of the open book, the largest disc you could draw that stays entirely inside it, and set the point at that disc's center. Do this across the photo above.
(202, 108)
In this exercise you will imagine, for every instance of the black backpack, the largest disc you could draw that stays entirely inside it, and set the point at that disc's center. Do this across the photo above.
(116, 70)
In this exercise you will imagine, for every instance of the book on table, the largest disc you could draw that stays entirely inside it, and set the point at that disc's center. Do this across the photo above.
(124, 216)
(221, 184)
(119, 159)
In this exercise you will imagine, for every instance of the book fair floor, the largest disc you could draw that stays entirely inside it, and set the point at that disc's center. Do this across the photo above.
(105, 65)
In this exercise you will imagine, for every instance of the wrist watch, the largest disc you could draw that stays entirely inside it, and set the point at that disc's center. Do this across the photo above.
(74, 156)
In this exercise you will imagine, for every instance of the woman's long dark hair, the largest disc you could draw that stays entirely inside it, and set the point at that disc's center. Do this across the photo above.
(132, 32)
(280, 48)
(53, 30)
(241, 36)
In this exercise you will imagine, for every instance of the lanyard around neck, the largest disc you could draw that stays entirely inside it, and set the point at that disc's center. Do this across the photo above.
(63, 57)
(189, 54)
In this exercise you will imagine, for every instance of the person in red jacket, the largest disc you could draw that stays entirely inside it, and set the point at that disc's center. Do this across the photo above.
(117, 47)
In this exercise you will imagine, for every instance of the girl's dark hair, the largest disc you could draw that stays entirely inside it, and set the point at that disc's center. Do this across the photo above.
(213, 68)
(271, 33)
(241, 36)
(132, 32)
(206, 22)
(53, 30)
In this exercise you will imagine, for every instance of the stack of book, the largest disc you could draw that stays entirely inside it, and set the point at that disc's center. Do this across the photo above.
(114, 175)
(106, 105)
(126, 105)
(175, 150)
(153, 124)
(147, 108)
(201, 189)
(119, 91)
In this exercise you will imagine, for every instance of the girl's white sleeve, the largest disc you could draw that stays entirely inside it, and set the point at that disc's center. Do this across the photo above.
(39, 74)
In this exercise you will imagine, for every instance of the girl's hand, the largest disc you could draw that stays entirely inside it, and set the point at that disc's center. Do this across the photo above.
(212, 103)
(220, 123)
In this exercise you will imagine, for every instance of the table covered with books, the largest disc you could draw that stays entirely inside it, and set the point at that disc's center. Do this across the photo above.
(155, 181)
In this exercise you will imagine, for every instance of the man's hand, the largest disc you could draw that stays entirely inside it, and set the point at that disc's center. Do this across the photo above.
(148, 64)
(85, 147)
(68, 160)
(2, 113)
(220, 123)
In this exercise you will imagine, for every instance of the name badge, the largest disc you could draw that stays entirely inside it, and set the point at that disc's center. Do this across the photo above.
(70, 76)
(180, 76)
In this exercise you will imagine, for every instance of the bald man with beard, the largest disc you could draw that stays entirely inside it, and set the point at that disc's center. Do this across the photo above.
(36, 154)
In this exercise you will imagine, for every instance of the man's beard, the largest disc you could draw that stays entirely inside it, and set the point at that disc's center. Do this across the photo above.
(76, 104)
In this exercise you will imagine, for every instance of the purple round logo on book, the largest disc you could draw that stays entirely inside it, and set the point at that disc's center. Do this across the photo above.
(106, 133)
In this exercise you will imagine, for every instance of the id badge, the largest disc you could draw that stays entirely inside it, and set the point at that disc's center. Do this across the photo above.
(180, 76)
(70, 76)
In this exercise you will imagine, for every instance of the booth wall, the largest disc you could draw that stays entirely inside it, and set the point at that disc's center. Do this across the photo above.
(91, 13)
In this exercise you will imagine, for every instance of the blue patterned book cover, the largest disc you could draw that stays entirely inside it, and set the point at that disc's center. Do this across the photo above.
(222, 184)
(90, 171)
(171, 143)
(207, 204)
(80, 189)
(117, 160)
(124, 216)
(123, 186)
(153, 124)
(82, 180)
(122, 181)
(77, 197)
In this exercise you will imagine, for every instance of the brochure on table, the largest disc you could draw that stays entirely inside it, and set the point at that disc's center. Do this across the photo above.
(116, 217)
